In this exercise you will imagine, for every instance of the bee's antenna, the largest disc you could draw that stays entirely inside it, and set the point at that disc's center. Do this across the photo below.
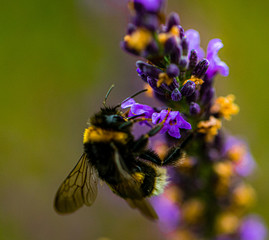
(134, 95)
(107, 94)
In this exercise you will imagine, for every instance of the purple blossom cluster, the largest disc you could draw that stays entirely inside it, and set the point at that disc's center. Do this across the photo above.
(208, 196)
(175, 61)
(172, 121)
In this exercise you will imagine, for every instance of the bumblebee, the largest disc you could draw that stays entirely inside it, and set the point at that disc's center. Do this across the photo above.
(131, 170)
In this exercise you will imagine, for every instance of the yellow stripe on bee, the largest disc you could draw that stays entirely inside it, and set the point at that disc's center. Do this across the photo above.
(138, 176)
(94, 134)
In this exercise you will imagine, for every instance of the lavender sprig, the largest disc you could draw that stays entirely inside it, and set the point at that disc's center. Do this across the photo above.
(208, 196)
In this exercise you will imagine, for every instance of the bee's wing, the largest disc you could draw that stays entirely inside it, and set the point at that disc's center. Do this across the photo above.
(80, 187)
(144, 207)
(128, 186)
(132, 188)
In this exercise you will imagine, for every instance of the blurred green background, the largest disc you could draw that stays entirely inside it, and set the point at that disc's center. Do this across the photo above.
(57, 60)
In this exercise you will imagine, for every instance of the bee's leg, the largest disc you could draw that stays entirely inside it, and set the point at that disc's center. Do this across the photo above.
(173, 155)
(141, 143)
(131, 120)
(151, 156)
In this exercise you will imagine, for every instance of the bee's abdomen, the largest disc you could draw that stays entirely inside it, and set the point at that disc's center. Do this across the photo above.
(154, 182)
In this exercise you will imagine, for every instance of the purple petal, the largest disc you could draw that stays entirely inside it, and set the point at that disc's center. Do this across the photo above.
(222, 68)
(156, 117)
(172, 124)
(246, 166)
(163, 114)
(128, 103)
(182, 123)
(172, 116)
(194, 42)
(213, 47)
(174, 131)
(216, 65)
(139, 109)
(253, 228)
(164, 129)
(168, 213)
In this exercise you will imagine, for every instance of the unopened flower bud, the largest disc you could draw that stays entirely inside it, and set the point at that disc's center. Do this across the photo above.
(183, 63)
(192, 60)
(150, 22)
(151, 49)
(176, 54)
(172, 70)
(173, 20)
(141, 74)
(181, 32)
(208, 96)
(170, 45)
(185, 46)
(176, 95)
(124, 46)
(130, 28)
(188, 89)
(194, 97)
(201, 68)
(148, 69)
(153, 83)
(194, 108)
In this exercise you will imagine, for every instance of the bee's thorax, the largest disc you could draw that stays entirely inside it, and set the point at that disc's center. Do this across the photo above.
(94, 134)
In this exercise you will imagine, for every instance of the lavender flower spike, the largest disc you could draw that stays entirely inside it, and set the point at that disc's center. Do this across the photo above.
(172, 124)
(216, 65)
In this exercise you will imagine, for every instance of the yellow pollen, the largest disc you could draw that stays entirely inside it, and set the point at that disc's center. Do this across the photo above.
(244, 195)
(174, 32)
(185, 163)
(183, 234)
(209, 127)
(162, 38)
(225, 106)
(127, 38)
(237, 152)
(193, 210)
(139, 39)
(224, 169)
(227, 223)
(173, 193)
(163, 78)
(150, 91)
(197, 81)
(222, 186)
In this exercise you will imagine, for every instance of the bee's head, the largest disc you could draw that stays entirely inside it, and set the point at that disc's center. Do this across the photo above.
(107, 118)
(111, 117)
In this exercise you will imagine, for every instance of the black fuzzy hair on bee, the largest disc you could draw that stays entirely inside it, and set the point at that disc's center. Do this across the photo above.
(111, 153)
